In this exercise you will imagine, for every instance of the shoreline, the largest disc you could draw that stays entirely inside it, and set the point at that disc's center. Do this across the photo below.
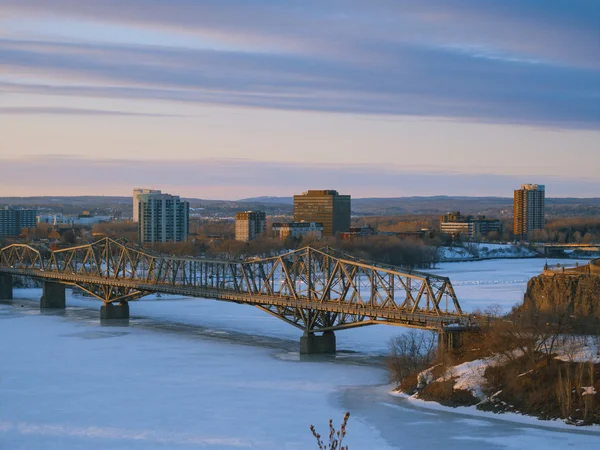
(472, 411)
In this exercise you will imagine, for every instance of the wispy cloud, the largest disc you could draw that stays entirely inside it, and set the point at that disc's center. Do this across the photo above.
(75, 111)
(506, 62)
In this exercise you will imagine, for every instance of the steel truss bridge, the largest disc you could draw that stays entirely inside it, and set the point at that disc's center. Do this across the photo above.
(308, 288)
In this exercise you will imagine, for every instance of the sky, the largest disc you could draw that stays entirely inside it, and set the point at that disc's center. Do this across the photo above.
(223, 99)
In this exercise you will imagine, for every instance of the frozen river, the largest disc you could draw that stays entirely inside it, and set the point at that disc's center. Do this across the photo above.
(192, 373)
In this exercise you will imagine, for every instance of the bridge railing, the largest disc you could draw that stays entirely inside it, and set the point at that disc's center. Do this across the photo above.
(113, 271)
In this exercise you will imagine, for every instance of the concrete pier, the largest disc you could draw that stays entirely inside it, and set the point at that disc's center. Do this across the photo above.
(53, 296)
(310, 343)
(449, 339)
(6, 290)
(110, 311)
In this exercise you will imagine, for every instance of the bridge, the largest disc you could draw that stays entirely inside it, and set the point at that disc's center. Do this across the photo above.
(312, 289)
(549, 249)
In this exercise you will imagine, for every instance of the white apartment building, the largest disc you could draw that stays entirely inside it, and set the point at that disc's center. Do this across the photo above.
(162, 218)
(136, 202)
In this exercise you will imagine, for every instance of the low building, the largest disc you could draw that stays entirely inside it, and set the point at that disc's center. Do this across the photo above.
(86, 219)
(249, 225)
(455, 224)
(296, 230)
(357, 233)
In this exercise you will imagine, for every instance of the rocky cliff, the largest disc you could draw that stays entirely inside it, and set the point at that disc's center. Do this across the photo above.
(578, 292)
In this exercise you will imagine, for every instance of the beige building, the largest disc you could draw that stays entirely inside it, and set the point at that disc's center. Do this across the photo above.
(326, 207)
(529, 209)
(136, 201)
(468, 226)
(249, 225)
(298, 230)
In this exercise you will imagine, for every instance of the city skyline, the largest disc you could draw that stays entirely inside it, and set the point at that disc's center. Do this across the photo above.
(226, 100)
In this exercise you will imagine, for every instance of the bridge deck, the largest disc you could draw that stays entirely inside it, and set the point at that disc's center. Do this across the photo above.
(308, 288)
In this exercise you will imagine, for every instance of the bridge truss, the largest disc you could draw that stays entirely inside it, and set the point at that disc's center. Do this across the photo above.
(309, 288)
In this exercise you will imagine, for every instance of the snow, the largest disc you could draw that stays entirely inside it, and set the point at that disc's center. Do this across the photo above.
(588, 390)
(470, 251)
(578, 349)
(468, 376)
(592, 431)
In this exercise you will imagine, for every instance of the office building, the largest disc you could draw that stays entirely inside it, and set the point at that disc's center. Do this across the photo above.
(326, 207)
(355, 233)
(14, 220)
(297, 230)
(470, 227)
(136, 202)
(529, 209)
(162, 218)
(249, 225)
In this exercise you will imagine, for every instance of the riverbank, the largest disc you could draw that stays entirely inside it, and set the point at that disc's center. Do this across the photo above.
(472, 411)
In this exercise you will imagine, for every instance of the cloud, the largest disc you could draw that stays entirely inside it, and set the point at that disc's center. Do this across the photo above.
(415, 81)
(74, 111)
(232, 178)
(505, 62)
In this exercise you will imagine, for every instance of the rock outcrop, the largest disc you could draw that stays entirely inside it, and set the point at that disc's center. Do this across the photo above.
(578, 291)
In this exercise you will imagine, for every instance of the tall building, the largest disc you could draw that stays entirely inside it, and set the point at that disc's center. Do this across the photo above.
(326, 207)
(136, 201)
(529, 209)
(13, 220)
(162, 218)
(249, 225)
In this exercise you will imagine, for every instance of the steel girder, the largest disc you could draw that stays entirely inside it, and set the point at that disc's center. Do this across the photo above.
(309, 288)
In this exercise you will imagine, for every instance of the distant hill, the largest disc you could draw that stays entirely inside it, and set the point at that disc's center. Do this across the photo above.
(278, 206)
(441, 204)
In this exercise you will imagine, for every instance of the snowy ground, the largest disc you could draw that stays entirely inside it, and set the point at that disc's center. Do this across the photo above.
(476, 250)
(192, 373)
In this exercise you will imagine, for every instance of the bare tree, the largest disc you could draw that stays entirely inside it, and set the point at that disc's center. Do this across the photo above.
(336, 437)
(410, 352)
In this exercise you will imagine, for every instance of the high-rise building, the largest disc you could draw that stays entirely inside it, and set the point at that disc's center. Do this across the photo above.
(13, 220)
(162, 218)
(326, 207)
(529, 209)
(249, 225)
(136, 201)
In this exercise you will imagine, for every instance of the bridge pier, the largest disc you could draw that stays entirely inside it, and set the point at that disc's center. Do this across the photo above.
(53, 296)
(6, 290)
(110, 311)
(449, 339)
(313, 344)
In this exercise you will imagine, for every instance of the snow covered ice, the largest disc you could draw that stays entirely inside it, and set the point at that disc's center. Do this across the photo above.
(192, 373)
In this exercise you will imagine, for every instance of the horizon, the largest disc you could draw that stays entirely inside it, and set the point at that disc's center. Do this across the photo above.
(258, 198)
(210, 99)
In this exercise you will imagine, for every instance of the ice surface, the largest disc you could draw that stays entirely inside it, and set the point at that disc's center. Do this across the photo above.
(193, 373)
(67, 384)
